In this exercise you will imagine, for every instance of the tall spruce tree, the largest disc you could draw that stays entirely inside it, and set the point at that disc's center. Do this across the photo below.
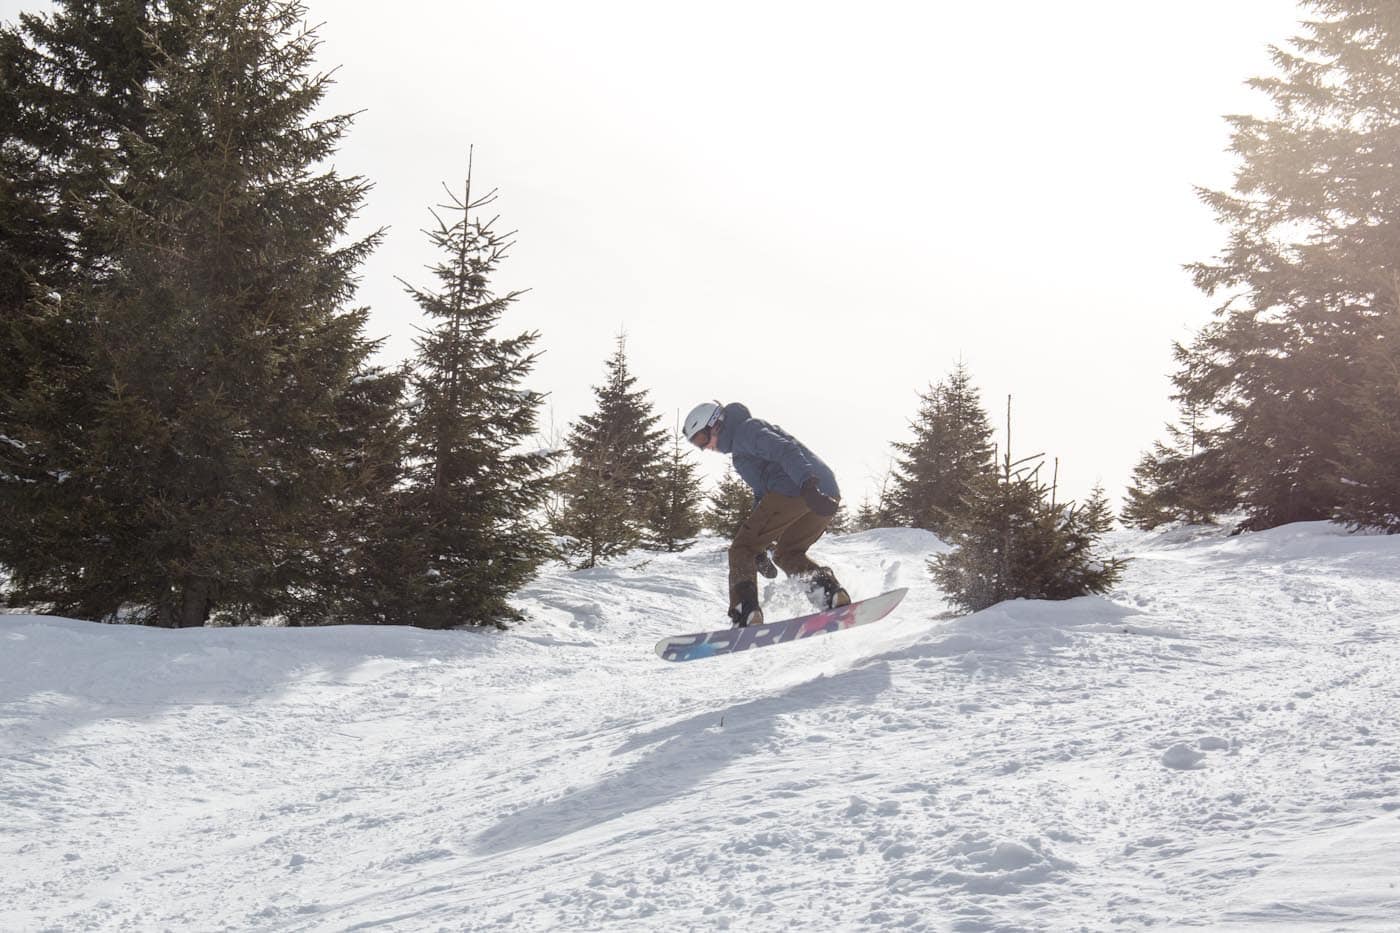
(70, 100)
(71, 95)
(617, 453)
(465, 524)
(951, 447)
(232, 419)
(1310, 271)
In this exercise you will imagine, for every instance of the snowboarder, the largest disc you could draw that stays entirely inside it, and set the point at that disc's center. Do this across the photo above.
(795, 496)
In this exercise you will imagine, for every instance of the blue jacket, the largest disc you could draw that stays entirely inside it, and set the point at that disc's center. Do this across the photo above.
(768, 458)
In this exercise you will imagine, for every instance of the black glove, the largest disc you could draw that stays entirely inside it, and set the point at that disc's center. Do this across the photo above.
(764, 564)
(816, 500)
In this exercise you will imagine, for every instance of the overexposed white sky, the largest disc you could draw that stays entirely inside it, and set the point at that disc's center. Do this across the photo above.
(817, 208)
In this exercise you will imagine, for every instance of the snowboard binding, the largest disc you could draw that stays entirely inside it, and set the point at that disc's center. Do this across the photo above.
(744, 611)
(826, 592)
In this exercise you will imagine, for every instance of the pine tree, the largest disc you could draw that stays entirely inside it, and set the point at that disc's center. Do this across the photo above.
(625, 417)
(617, 454)
(71, 93)
(1097, 514)
(1014, 541)
(1310, 270)
(468, 511)
(1369, 477)
(841, 522)
(70, 97)
(1078, 568)
(676, 520)
(730, 503)
(868, 516)
(217, 458)
(877, 512)
(1153, 476)
(951, 447)
(339, 571)
(596, 520)
(1186, 480)
(995, 539)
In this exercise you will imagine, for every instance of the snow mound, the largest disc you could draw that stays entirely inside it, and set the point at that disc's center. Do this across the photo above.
(983, 865)
(1183, 757)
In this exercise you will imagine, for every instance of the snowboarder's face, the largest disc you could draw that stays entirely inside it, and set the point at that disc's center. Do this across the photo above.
(707, 438)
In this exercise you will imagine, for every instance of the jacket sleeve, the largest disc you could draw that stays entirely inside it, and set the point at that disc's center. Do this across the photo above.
(784, 451)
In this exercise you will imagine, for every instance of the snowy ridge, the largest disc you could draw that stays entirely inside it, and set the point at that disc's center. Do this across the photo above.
(1213, 745)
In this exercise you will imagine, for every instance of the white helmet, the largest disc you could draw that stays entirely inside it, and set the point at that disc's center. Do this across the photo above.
(702, 416)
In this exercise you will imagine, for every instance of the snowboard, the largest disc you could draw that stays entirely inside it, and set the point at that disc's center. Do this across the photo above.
(727, 641)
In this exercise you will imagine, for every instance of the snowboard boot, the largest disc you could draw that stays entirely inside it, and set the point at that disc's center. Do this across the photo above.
(763, 563)
(832, 593)
(745, 612)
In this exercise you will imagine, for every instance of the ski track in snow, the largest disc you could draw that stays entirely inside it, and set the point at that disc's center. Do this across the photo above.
(1211, 746)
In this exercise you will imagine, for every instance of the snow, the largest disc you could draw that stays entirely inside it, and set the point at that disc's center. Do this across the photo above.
(1211, 745)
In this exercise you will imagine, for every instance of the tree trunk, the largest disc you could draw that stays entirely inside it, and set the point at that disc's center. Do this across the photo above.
(190, 609)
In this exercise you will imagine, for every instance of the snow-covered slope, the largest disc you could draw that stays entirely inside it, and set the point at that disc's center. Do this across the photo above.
(1215, 745)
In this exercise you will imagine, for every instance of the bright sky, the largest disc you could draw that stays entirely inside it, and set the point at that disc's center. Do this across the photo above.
(818, 208)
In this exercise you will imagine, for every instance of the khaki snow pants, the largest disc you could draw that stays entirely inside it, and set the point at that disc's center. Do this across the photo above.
(782, 522)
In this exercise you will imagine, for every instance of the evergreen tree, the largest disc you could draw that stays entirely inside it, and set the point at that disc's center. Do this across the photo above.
(596, 519)
(1186, 481)
(676, 519)
(626, 418)
(1153, 476)
(70, 100)
(1015, 542)
(216, 368)
(951, 447)
(339, 568)
(617, 454)
(1310, 270)
(71, 96)
(1096, 517)
(868, 516)
(468, 509)
(877, 512)
(730, 503)
(1369, 467)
